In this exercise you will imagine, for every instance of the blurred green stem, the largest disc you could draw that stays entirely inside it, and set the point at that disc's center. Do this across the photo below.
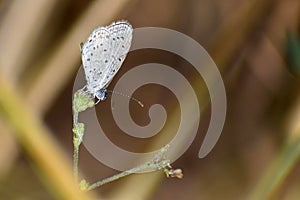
(39, 144)
(278, 171)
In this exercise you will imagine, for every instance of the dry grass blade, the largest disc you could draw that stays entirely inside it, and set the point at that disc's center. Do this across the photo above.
(39, 144)
(233, 34)
(18, 13)
(14, 39)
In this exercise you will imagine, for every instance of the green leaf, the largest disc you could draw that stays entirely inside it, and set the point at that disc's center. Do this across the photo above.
(293, 52)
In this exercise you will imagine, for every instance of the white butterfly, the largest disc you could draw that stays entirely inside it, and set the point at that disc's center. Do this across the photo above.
(103, 54)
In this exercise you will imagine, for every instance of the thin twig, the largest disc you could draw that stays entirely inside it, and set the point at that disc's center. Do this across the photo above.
(149, 165)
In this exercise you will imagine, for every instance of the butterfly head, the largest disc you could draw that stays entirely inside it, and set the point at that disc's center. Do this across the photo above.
(101, 95)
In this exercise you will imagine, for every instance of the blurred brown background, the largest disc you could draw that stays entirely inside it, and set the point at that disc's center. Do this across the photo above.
(254, 43)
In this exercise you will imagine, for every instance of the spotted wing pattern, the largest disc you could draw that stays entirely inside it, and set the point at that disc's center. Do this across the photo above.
(104, 52)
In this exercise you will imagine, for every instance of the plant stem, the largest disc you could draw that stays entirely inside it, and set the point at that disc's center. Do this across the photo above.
(75, 161)
(148, 165)
(81, 102)
(277, 171)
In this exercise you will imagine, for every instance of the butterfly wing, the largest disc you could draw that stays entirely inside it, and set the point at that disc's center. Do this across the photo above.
(104, 52)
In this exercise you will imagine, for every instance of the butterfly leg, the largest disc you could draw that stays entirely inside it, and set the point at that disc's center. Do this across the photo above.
(97, 101)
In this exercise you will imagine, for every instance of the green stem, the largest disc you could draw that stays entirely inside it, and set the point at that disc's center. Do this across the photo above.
(278, 171)
(149, 165)
(81, 102)
(76, 148)
(75, 161)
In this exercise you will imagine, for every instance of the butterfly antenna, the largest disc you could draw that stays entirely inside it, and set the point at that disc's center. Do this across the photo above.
(125, 95)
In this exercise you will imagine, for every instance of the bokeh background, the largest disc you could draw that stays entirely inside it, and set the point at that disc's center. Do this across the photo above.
(254, 43)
